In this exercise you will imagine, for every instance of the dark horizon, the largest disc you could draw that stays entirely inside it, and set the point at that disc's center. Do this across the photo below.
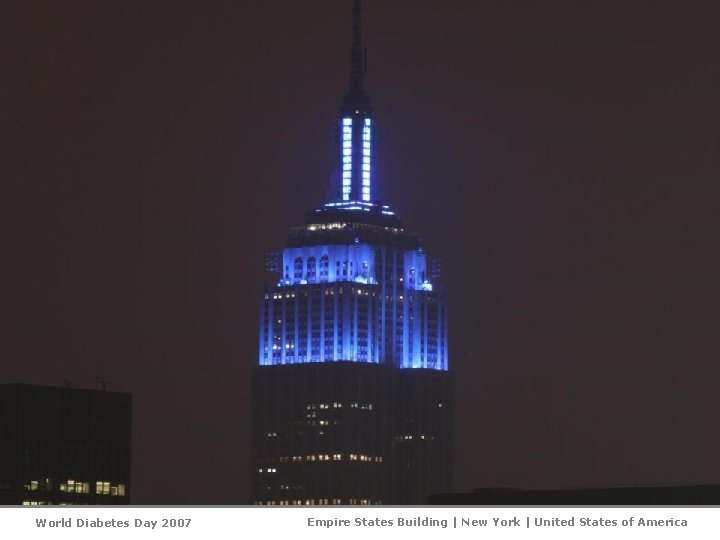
(559, 159)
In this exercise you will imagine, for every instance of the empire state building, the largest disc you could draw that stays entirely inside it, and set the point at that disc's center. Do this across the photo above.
(352, 393)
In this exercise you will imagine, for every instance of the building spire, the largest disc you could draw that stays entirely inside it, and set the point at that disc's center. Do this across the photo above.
(358, 62)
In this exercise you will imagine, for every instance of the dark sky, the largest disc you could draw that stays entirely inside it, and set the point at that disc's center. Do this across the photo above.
(560, 157)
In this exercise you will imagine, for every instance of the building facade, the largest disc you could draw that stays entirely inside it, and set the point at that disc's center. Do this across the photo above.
(64, 446)
(352, 394)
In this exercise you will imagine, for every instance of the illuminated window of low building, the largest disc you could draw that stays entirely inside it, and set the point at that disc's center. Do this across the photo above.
(74, 486)
(102, 488)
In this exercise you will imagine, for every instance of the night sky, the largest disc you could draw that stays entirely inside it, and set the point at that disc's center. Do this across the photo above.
(560, 157)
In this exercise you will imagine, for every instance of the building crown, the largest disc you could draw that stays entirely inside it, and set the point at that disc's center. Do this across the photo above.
(352, 194)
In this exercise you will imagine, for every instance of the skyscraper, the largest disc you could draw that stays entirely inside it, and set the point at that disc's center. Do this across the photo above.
(352, 394)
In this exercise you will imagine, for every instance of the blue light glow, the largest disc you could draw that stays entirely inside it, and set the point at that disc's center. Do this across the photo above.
(350, 203)
(356, 158)
(366, 160)
(346, 158)
(354, 302)
(358, 205)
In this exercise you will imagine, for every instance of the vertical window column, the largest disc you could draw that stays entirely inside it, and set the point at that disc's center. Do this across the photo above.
(346, 138)
(366, 142)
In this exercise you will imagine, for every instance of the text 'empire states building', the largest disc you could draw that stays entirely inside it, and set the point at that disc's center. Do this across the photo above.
(352, 397)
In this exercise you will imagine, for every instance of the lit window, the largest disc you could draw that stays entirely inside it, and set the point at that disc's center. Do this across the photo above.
(121, 490)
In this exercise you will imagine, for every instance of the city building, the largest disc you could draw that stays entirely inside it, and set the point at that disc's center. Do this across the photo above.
(678, 495)
(352, 394)
(64, 446)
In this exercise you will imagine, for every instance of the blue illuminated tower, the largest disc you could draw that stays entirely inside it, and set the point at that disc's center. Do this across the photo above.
(352, 397)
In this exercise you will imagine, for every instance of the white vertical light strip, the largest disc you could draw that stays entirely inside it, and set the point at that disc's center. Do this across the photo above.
(346, 158)
(366, 161)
